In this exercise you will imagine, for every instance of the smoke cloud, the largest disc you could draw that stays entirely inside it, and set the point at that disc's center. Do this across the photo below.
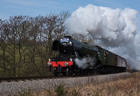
(85, 62)
(114, 29)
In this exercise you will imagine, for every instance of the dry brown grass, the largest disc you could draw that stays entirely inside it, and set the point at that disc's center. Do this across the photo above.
(129, 86)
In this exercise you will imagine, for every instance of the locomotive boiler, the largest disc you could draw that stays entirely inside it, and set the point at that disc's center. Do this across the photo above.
(81, 58)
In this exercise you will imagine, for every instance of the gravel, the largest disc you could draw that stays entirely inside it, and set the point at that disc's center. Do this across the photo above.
(15, 87)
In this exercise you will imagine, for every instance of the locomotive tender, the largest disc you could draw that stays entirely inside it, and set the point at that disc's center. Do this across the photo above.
(73, 53)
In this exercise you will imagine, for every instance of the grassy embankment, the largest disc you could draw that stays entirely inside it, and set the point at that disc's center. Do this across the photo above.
(129, 86)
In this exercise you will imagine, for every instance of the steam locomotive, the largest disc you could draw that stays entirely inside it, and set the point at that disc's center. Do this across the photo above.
(81, 58)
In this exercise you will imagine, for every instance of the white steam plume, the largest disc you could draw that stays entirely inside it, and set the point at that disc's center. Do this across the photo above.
(85, 62)
(112, 28)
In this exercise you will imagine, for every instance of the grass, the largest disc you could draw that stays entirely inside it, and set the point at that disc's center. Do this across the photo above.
(60, 90)
(26, 93)
(75, 92)
(129, 86)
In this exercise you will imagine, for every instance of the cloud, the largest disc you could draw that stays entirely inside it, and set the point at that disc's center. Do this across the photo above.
(112, 28)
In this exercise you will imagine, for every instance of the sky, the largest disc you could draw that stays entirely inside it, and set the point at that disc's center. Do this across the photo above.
(44, 7)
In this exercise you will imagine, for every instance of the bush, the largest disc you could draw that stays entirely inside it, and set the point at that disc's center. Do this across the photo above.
(75, 92)
(60, 90)
(26, 93)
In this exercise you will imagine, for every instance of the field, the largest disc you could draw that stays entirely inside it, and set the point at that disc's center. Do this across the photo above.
(129, 86)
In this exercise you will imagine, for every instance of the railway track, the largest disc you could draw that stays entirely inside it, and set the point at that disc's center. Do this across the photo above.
(24, 78)
(8, 79)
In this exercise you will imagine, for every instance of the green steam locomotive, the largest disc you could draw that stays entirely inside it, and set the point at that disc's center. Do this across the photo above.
(81, 58)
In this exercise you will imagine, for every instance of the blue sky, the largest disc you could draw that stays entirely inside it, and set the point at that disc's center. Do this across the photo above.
(44, 7)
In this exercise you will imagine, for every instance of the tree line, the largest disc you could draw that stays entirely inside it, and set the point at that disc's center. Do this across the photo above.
(25, 43)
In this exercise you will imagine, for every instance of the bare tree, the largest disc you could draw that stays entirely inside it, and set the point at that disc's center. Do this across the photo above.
(25, 43)
(22, 39)
(53, 28)
(4, 31)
